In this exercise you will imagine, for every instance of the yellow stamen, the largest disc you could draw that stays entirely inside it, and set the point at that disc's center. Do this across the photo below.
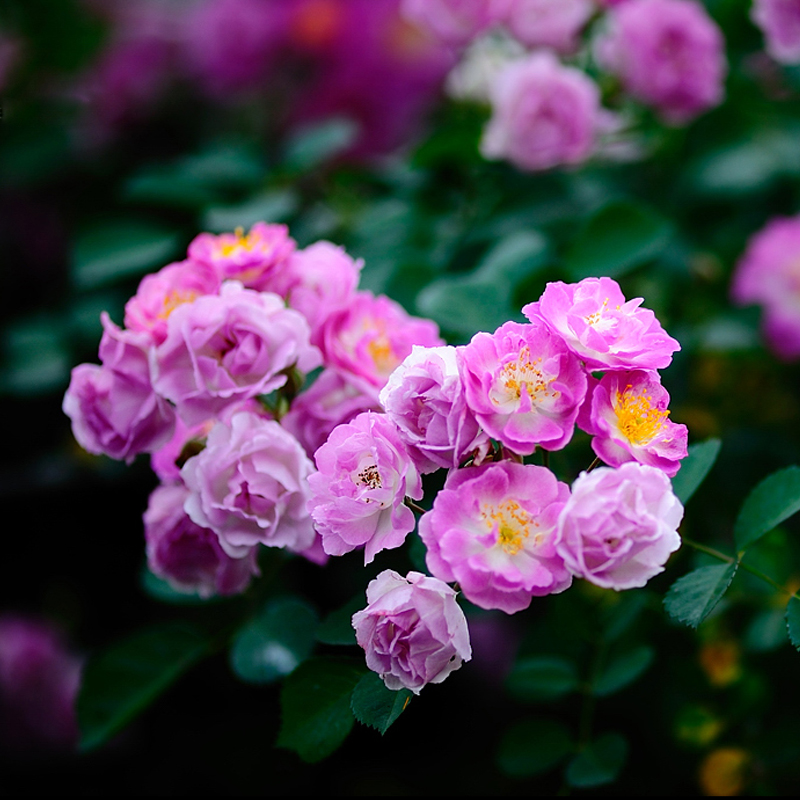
(513, 525)
(638, 420)
(524, 374)
(174, 299)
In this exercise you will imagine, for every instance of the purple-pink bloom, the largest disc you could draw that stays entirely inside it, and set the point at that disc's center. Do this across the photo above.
(768, 274)
(113, 408)
(413, 631)
(188, 556)
(523, 385)
(779, 21)
(358, 494)
(619, 526)
(669, 54)
(628, 417)
(547, 23)
(455, 22)
(250, 486)
(492, 528)
(601, 327)
(223, 349)
(254, 259)
(543, 114)
(424, 397)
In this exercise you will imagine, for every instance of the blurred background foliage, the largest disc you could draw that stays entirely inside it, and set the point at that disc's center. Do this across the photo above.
(94, 196)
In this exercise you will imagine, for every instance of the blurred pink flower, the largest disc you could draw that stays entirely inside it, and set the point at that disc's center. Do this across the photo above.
(779, 21)
(547, 23)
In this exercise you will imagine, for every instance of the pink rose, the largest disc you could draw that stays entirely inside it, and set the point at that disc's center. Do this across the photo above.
(547, 23)
(619, 526)
(492, 528)
(250, 486)
(221, 350)
(453, 21)
(543, 114)
(413, 630)
(188, 556)
(779, 20)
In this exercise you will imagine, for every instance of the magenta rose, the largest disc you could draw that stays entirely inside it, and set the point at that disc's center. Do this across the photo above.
(188, 556)
(424, 397)
(113, 408)
(619, 526)
(413, 630)
(523, 385)
(250, 486)
(779, 21)
(358, 494)
(492, 528)
(602, 328)
(221, 350)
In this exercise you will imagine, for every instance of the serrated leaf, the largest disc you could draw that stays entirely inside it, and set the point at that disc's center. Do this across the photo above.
(619, 237)
(623, 670)
(793, 621)
(694, 468)
(599, 763)
(775, 499)
(374, 705)
(275, 642)
(692, 598)
(315, 703)
(533, 746)
(538, 678)
(122, 681)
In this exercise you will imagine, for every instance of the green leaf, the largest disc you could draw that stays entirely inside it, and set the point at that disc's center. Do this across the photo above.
(620, 236)
(375, 705)
(315, 144)
(766, 631)
(599, 763)
(161, 590)
(623, 670)
(541, 678)
(533, 746)
(315, 703)
(275, 642)
(694, 468)
(121, 682)
(775, 499)
(692, 598)
(36, 358)
(337, 627)
(793, 621)
(119, 250)
(275, 206)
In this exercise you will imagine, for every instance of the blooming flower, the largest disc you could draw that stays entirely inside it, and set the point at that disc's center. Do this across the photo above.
(619, 526)
(601, 327)
(669, 54)
(412, 630)
(547, 23)
(543, 114)
(365, 474)
(452, 21)
(492, 529)
(779, 21)
(628, 416)
(188, 556)
(250, 486)
(523, 385)
(769, 274)
(424, 397)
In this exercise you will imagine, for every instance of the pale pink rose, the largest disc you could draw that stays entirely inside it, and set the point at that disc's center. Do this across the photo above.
(547, 23)
(162, 292)
(369, 337)
(543, 114)
(424, 397)
(412, 631)
(453, 21)
(601, 327)
(221, 350)
(250, 486)
(492, 528)
(188, 556)
(779, 21)
(253, 259)
(768, 274)
(619, 526)
(358, 494)
(523, 385)
(628, 417)
(113, 408)
(669, 54)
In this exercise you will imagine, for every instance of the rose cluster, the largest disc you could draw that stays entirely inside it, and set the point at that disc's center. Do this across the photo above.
(209, 376)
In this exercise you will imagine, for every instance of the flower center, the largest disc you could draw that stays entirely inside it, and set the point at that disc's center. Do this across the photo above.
(638, 420)
(513, 524)
(523, 375)
(370, 477)
(174, 299)
(240, 242)
(380, 350)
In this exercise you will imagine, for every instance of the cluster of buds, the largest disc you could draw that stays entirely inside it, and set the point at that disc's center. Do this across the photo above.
(208, 376)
